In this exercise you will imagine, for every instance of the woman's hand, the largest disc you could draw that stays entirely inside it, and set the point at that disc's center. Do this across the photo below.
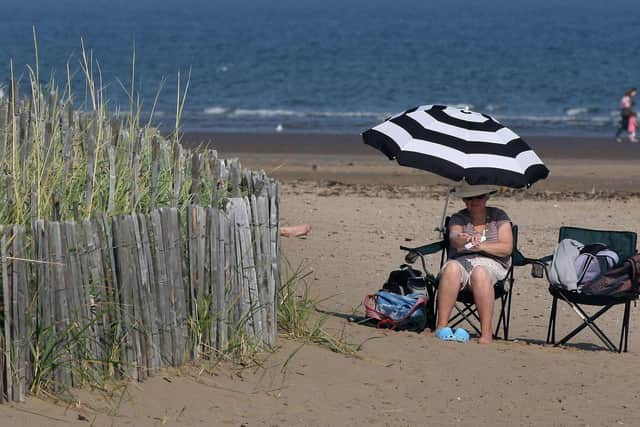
(476, 239)
(462, 239)
(474, 242)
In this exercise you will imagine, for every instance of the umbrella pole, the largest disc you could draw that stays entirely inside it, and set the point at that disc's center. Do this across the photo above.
(444, 215)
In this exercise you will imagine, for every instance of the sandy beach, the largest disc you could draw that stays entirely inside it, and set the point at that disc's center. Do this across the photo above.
(577, 164)
(362, 208)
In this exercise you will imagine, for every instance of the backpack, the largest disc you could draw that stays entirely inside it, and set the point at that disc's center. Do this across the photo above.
(619, 281)
(595, 259)
(407, 280)
(395, 311)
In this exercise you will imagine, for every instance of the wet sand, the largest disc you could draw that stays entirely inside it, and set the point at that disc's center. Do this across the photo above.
(576, 164)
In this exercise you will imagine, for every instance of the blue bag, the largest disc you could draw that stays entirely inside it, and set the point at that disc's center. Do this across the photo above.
(395, 311)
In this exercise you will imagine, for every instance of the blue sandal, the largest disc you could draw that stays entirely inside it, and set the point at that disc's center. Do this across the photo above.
(461, 335)
(445, 334)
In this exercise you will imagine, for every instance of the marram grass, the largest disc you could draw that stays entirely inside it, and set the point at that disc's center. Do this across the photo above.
(66, 156)
(61, 162)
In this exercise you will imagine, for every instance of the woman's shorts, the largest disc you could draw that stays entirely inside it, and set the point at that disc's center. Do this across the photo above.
(496, 270)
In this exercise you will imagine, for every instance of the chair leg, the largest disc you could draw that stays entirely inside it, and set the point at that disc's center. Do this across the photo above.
(508, 315)
(502, 319)
(431, 308)
(464, 314)
(507, 319)
(469, 310)
(590, 322)
(551, 331)
(624, 334)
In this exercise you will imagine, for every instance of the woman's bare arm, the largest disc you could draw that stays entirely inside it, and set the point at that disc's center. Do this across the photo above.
(503, 247)
(457, 237)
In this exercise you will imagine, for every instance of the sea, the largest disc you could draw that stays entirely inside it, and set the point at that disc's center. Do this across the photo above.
(540, 67)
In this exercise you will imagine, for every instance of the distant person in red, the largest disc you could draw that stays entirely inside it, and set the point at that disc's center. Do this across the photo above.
(633, 123)
(626, 108)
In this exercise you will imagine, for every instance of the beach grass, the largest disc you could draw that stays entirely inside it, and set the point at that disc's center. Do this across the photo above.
(299, 317)
(68, 157)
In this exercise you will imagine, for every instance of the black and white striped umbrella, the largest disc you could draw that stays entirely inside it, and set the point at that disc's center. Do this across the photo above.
(458, 144)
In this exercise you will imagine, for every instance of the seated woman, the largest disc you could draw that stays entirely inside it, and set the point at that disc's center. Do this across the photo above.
(480, 246)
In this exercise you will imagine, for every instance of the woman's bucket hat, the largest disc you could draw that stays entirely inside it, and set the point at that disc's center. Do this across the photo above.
(465, 190)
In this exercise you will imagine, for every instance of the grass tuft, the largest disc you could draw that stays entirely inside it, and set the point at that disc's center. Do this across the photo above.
(299, 317)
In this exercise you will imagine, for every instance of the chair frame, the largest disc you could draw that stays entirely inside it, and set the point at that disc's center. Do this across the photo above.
(466, 309)
(589, 320)
(575, 299)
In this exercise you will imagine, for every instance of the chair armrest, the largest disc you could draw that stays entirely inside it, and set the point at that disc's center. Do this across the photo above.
(544, 260)
(538, 265)
(426, 249)
(421, 251)
(518, 259)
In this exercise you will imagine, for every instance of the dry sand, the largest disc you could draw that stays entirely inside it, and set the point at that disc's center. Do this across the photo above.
(362, 209)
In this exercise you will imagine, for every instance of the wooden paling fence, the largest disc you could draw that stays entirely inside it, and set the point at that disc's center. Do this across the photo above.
(88, 294)
(124, 296)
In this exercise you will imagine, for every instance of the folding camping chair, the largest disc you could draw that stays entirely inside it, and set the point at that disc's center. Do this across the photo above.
(465, 306)
(624, 243)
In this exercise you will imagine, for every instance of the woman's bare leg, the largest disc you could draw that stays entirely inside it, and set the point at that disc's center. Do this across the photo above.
(484, 297)
(295, 230)
(448, 288)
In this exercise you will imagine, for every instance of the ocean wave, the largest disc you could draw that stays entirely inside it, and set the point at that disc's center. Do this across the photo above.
(294, 113)
(265, 112)
(215, 110)
(554, 119)
(567, 121)
(349, 114)
(470, 107)
(576, 111)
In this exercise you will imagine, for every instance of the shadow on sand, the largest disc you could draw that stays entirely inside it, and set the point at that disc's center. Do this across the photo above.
(365, 321)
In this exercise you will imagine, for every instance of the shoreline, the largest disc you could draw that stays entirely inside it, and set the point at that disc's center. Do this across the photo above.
(577, 147)
(582, 165)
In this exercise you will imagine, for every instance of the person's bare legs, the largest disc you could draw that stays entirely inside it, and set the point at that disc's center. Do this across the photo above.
(448, 288)
(484, 297)
(295, 230)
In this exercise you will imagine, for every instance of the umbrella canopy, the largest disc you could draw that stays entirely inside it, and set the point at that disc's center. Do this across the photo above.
(458, 144)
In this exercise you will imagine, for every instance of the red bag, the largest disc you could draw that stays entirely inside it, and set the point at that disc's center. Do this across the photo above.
(620, 281)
